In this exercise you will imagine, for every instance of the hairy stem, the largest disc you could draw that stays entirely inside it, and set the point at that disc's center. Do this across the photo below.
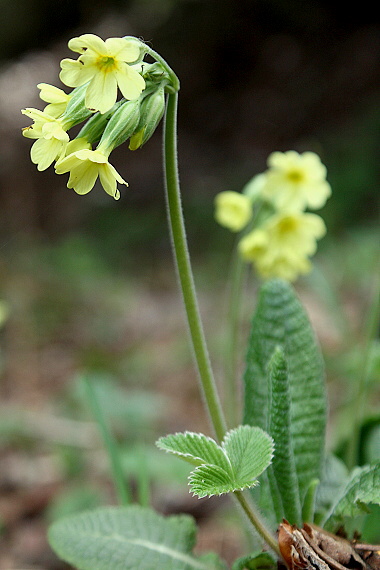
(257, 522)
(186, 280)
(185, 275)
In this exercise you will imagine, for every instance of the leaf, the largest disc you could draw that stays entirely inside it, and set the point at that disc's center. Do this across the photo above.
(283, 465)
(255, 561)
(245, 453)
(280, 320)
(362, 489)
(209, 480)
(250, 451)
(195, 448)
(334, 478)
(126, 538)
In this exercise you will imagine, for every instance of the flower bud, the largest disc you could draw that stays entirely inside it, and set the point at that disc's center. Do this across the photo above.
(152, 110)
(121, 126)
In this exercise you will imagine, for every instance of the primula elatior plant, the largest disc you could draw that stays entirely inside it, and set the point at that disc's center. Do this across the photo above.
(270, 456)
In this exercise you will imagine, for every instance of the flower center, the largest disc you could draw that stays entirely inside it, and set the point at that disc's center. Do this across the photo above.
(106, 63)
(287, 225)
(295, 176)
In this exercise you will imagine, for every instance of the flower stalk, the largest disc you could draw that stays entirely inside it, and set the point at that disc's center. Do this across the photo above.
(186, 280)
(185, 275)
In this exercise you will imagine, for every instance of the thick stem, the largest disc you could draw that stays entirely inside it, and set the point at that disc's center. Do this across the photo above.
(185, 276)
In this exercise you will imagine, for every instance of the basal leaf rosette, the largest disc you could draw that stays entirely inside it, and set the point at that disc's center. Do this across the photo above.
(243, 455)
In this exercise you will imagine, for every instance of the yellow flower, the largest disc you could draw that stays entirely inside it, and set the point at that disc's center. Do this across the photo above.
(85, 166)
(295, 181)
(104, 64)
(232, 210)
(282, 245)
(56, 98)
(51, 137)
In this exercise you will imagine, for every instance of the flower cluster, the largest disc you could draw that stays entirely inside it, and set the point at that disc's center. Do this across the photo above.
(102, 70)
(279, 235)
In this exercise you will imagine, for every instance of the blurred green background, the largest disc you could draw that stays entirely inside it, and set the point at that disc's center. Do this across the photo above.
(88, 283)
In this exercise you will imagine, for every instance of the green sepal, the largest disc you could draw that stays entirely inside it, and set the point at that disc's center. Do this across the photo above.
(121, 125)
(76, 111)
(93, 129)
(151, 113)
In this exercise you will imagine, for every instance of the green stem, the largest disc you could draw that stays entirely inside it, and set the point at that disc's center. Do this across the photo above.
(186, 280)
(122, 490)
(256, 521)
(185, 275)
(173, 87)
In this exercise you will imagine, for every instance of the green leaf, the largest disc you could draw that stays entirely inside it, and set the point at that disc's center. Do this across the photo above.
(126, 538)
(334, 478)
(280, 320)
(283, 466)
(250, 451)
(195, 448)
(209, 480)
(255, 561)
(245, 453)
(362, 489)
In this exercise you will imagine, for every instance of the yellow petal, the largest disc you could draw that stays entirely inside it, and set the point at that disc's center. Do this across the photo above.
(101, 93)
(44, 152)
(131, 84)
(87, 41)
(72, 73)
(125, 50)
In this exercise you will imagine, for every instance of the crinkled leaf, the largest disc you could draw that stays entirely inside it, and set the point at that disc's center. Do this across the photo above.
(245, 453)
(362, 489)
(282, 472)
(280, 320)
(195, 448)
(125, 538)
(208, 480)
(250, 451)
(255, 561)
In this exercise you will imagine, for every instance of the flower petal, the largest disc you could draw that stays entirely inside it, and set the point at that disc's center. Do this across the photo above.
(131, 84)
(125, 50)
(108, 177)
(44, 152)
(101, 93)
(72, 73)
(87, 41)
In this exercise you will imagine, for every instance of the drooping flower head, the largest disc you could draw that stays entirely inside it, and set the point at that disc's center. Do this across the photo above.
(85, 166)
(295, 181)
(106, 66)
(232, 210)
(282, 245)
